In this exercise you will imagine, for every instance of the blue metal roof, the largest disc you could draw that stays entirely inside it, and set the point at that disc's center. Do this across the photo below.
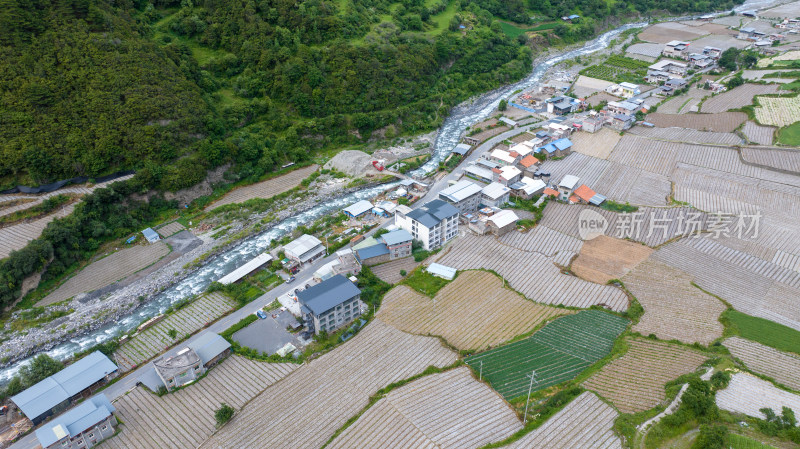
(597, 199)
(397, 237)
(75, 421)
(209, 345)
(64, 384)
(328, 294)
(151, 235)
(574, 16)
(372, 251)
(562, 144)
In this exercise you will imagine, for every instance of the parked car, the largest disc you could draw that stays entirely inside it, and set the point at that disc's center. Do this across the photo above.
(291, 278)
(261, 314)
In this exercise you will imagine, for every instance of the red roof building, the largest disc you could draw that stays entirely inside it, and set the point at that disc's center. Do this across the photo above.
(584, 193)
(550, 192)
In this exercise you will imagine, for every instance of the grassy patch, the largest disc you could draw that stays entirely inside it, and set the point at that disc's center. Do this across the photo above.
(790, 135)
(762, 330)
(613, 206)
(39, 210)
(741, 442)
(424, 282)
(36, 316)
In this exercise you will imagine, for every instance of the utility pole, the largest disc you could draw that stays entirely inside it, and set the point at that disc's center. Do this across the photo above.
(530, 388)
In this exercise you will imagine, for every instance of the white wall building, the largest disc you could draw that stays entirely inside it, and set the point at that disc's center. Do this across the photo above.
(433, 224)
(495, 195)
(464, 195)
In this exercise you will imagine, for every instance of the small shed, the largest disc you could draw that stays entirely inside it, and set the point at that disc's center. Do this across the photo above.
(462, 149)
(357, 209)
(151, 235)
(245, 269)
(442, 271)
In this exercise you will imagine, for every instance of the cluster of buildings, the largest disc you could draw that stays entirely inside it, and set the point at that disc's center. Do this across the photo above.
(569, 190)
(188, 365)
(85, 425)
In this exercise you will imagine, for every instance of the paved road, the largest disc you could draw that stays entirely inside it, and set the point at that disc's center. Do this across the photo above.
(130, 379)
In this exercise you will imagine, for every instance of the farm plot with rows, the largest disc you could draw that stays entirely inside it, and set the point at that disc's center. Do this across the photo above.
(604, 258)
(747, 394)
(268, 188)
(685, 103)
(548, 286)
(778, 111)
(390, 271)
(108, 270)
(318, 398)
(586, 423)
(737, 98)
(618, 69)
(543, 240)
(169, 229)
(474, 311)
(673, 307)
(780, 158)
(17, 236)
(598, 144)
(644, 49)
(635, 382)
(186, 321)
(781, 366)
(724, 122)
(444, 410)
(558, 352)
(686, 135)
(185, 418)
(762, 135)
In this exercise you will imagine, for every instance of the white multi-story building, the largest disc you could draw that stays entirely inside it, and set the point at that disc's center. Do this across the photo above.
(464, 195)
(433, 224)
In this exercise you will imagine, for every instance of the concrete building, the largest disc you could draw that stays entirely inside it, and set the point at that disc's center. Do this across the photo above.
(189, 363)
(304, 249)
(399, 243)
(502, 222)
(373, 255)
(676, 49)
(527, 187)
(625, 90)
(53, 394)
(433, 224)
(479, 173)
(621, 122)
(503, 157)
(495, 195)
(623, 107)
(557, 148)
(83, 427)
(357, 209)
(464, 195)
(330, 304)
(567, 186)
(668, 67)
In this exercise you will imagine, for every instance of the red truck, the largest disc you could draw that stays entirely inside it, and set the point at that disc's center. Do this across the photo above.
(377, 165)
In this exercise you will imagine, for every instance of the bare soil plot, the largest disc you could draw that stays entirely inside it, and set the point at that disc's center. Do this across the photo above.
(747, 394)
(673, 307)
(390, 271)
(779, 365)
(17, 236)
(762, 135)
(108, 270)
(598, 144)
(686, 135)
(779, 12)
(585, 86)
(473, 312)
(724, 122)
(155, 339)
(683, 104)
(488, 133)
(635, 382)
(445, 410)
(720, 41)
(322, 395)
(665, 32)
(586, 422)
(185, 418)
(737, 98)
(170, 228)
(730, 21)
(599, 97)
(780, 111)
(780, 158)
(758, 75)
(268, 188)
(548, 285)
(650, 50)
(605, 258)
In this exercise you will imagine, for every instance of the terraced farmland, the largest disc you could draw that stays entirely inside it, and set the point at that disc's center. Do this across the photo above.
(684, 135)
(635, 382)
(737, 98)
(445, 410)
(543, 240)
(306, 408)
(108, 270)
(683, 104)
(779, 365)
(17, 236)
(782, 159)
(724, 122)
(558, 352)
(778, 111)
(673, 307)
(390, 271)
(762, 135)
(748, 394)
(186, 321)
(472, 312)
(549, 286)
(268, 188)
(605, 258)
(185, 418)
(169, 229)
(586, 423)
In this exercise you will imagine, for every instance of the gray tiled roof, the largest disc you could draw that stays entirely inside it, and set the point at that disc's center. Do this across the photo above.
(327, 294)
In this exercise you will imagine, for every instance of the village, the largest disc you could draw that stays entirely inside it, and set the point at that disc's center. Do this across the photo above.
(589, 236)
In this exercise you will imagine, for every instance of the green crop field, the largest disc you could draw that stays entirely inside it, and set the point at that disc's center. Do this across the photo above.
(558, 352)
(764, 331)
(790, 135)
(618, 69)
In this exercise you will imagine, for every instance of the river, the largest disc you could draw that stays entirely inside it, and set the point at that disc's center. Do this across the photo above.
(460, 117)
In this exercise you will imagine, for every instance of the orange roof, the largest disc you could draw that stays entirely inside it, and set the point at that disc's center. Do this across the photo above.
(513, 154)
(574, 199)
(584, 193)
(550, 192)
(497, 170)
(528, 161)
